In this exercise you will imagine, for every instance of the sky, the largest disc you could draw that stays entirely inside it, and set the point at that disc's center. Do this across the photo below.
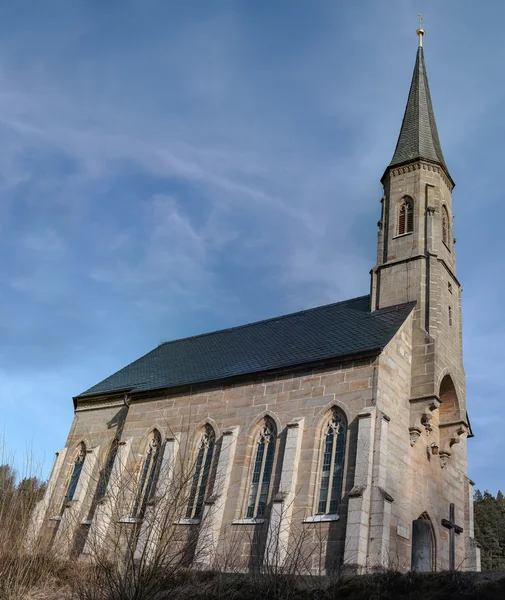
(171, 168)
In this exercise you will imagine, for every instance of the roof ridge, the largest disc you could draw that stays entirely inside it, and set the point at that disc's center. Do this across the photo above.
(268, 320)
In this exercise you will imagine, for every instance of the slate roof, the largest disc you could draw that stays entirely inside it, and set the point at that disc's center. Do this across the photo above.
(418, 135)
(328, 332)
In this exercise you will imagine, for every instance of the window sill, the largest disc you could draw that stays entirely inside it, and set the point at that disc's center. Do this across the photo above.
(249, 521)
(400, 235)
(86, 522)
(131, 520)
(55, 518)
(187, 522)
(321, 518)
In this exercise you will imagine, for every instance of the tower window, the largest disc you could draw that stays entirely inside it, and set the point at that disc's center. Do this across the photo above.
(450, 316)
(406, 216)
(445, 226)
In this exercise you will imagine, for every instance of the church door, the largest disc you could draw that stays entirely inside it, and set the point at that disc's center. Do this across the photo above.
(422, 546)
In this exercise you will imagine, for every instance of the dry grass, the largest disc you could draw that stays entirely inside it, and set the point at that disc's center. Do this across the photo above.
(21, 573)
(190, 585)
(160, 573)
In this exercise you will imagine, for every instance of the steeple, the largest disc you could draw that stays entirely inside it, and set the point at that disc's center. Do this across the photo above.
(418, 135)
(416, 262)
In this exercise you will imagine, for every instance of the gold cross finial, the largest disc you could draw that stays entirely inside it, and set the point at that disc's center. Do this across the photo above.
(420, 31)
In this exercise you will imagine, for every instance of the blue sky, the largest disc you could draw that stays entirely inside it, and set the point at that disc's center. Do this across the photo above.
(169, 168)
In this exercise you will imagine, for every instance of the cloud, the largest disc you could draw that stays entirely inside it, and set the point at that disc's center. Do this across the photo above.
(169, 250)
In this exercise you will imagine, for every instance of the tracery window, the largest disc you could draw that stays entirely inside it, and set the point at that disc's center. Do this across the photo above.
(406, 216)
(262, 470)
(107, 470)
(201, 475)
(148, 475)
(76, 473)
(332, 463)
(445, 226)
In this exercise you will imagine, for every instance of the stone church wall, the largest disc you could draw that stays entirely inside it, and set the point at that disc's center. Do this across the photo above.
(303, 398)
(417, 479)
(388, 483)
(95, 428)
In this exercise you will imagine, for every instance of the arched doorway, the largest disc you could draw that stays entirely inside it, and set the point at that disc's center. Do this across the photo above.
(424, 551)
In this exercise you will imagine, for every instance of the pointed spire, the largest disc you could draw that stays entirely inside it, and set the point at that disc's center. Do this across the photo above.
(418, 135)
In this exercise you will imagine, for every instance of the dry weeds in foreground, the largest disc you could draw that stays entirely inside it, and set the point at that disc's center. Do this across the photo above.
(116, 570)
(381, 586)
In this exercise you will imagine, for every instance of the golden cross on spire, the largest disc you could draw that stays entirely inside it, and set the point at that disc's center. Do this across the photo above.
(420, 31)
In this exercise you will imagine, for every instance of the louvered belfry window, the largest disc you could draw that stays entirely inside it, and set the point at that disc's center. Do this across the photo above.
(76, 473)
(406, 217)
(332, 467)
(148, 475)
(201, 475)
(262, 470)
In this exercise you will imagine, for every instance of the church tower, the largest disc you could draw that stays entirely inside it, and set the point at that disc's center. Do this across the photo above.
(416, 259)
(416, 262)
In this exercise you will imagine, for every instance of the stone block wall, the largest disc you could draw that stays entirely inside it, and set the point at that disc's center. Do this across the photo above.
(305, 396)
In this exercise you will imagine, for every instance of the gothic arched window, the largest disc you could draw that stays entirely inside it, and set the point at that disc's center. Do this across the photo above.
(262, 469)
(332, 463)
(107, 470)
(445, 226)
(76, 473)
(148, 475)
(406, 216)
(201, 475)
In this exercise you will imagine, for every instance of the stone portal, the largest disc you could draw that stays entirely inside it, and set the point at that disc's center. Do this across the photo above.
(422, 546)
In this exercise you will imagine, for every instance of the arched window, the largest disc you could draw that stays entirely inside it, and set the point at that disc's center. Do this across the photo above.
(406, 216)
(76, 473)
(262, 469)
(107, 470)
(148, 475)
(201, 475)
(445, 226)
(332, 463)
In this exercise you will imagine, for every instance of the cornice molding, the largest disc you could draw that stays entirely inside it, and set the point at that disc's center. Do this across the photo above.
(96, 404)
(425, 166)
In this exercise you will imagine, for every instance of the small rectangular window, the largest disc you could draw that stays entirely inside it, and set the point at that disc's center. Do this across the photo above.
(450, 316)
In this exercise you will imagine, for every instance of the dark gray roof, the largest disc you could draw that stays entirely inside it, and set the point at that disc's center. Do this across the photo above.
(418, 135)
(332, 331)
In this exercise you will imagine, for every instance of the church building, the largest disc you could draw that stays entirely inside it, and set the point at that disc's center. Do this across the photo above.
(335, 436)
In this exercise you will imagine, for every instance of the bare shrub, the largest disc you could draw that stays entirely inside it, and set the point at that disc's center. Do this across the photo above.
(149, 539)
(20, 571)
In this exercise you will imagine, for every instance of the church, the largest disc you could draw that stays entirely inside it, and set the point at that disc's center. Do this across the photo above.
(335, 436)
